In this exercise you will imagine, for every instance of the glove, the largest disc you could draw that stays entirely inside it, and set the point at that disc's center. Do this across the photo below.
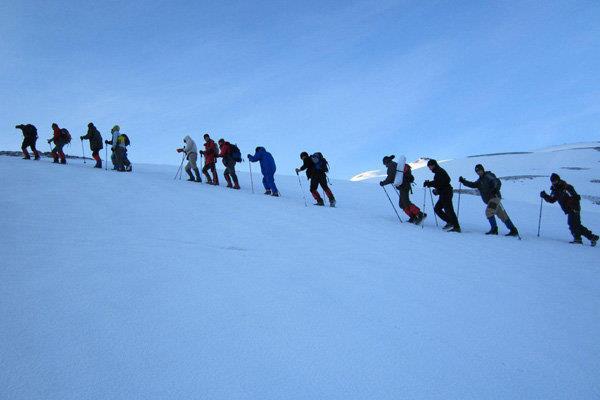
(201, 152)
(80, 137)
(297, 171)
(248, 156)
(461, 179)
(49, 141)
(427, 184)
(543, 194)
(106, 142)
(435, 192)
(179, 150)
(381, 183)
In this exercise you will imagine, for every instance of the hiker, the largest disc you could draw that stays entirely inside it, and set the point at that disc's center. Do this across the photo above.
(191, 152)
(442, 188)
(30, 137)
(119, 143)
(489, 189)
(210, 154)
(316, 167)
(400, 175)
(60, 138)
(569, 201)
(228, 154)
(95, 138)
(267, 168)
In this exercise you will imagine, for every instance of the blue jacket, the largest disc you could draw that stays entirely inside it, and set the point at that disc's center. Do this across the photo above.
(267, 163)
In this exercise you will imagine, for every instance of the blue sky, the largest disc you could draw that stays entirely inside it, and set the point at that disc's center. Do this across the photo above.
(354, 80)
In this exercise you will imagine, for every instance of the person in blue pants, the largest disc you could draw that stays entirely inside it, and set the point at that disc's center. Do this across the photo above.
(268, 168)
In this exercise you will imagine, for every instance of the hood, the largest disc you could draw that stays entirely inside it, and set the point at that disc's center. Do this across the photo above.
(187, 139)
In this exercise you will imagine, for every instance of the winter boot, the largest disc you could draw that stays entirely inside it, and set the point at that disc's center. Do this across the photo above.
(576, 241)
(128, 168)
(228, 179)
(275, 194)
(411, 220)
(447, 226)
(420, 217)
(63, 161)
(198, 177)
(320, 202)
(37, 157)
(26, 157)
(455, 228)
(268, 192)
(492, 231)
(236, 184)
(98, 164)
(55, 160)
(191, 177)
(513, 232)
(594, 240)
(332, 202)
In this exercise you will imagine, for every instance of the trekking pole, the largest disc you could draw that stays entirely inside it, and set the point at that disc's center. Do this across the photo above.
(394, 207)
(459, 192)
(302, 189)
(106, 158)
(433, 207)
(179, 169)
(540, 219)
(83, 152)
(251, 178)
(424, 203)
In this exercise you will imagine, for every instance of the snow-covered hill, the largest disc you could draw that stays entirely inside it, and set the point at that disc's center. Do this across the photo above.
(136, 286)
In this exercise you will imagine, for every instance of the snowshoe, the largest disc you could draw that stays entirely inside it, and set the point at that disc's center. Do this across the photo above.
(492, 231)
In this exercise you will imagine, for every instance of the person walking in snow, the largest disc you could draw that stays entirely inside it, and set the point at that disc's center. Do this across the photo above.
(229, 161)
(191, 152)
(570, 202)
(267, 168)
(442, 188)
(489, 189)
(95, 138)
(316, 168)
(210, 153)
(400, 175)
(119, 143)
(60, 138)
(30, 137)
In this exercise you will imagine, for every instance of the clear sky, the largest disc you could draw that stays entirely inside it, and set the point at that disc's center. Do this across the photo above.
(354, 80)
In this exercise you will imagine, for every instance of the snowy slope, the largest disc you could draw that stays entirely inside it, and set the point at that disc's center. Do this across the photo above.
(135, 286)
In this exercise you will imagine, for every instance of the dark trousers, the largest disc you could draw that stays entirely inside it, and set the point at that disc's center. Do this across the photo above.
(210, 167)
(29, 142)
(315, 181)
(405, 204)
(269, 183)
(57, 151)
(578, 230)
(445, 209)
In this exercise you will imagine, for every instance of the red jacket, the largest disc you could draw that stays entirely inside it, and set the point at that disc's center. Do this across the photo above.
(56, 134)
(210, 152)
(225, 150)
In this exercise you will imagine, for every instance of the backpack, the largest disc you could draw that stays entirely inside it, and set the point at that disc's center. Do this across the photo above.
(496, 181)
(65, 135)
(123, 138)
(235, 152)
(408, 176)
(31, 131)
(320, 162)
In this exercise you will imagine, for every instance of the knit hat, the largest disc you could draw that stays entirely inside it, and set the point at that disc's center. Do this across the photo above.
(387, 159)
(303, 154)
(115, 128)
(432, 163)
(479, 167)
(90, 125)
(554, 177)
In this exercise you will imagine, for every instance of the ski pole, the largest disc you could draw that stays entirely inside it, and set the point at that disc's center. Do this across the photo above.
(83, 152)
(424, 203)
(459, 192)
(179, 169)
(105, 158)
(433, 207)
(540, 218)
(302, 189)
(392, 203)
(251, 178)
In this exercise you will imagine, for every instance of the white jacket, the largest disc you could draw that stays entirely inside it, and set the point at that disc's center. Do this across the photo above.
(400, 171)
(190, 146)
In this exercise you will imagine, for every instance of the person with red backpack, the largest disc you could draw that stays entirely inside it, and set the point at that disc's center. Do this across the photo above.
(400, 175)
(230, 155)
(60, 138)
(210, 153)
(316, 168)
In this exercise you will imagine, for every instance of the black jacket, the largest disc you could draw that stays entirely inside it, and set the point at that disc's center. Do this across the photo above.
(309, 166)
(441, 181)
(29, 131)
(93, 135)
(566, 196)
(488, 186)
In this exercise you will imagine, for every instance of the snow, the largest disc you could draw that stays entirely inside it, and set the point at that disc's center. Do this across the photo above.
(136, 286)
